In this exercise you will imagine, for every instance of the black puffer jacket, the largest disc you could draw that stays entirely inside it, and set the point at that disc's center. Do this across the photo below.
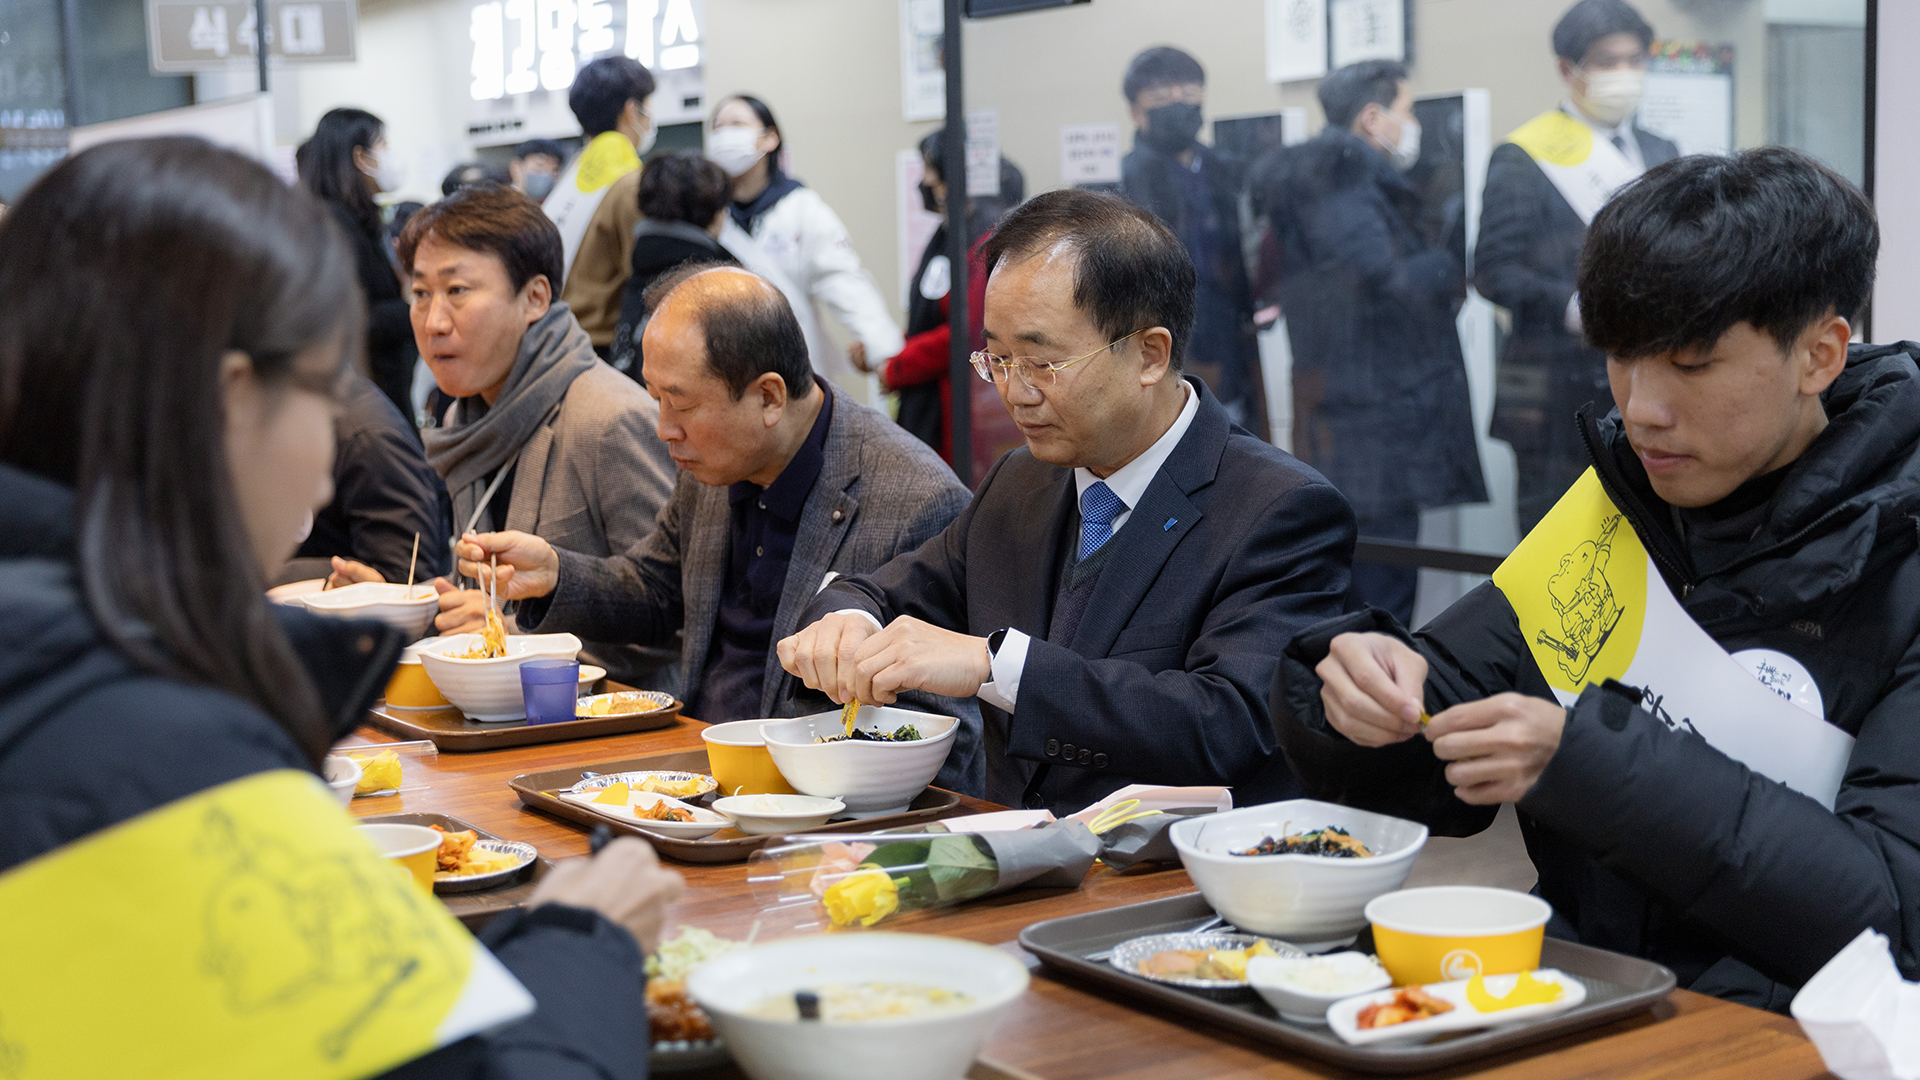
(87, 741)
(1650, 841)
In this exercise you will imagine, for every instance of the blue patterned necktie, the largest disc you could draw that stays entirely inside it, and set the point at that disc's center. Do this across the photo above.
(1098, 507)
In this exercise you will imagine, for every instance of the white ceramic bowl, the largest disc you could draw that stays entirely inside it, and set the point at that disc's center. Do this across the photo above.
(1314, 901)
(343, 775)
(390, 603)
(1354, 973)
(294, 593)
(489, 690)
(760, 815)
(872, 778)
(588, 676)
(939, 1047)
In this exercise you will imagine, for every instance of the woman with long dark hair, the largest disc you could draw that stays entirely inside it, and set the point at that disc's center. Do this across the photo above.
(345, 164)
(177, 325)
(793, 230)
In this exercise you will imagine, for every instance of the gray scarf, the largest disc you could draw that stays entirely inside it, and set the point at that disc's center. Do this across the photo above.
(478, 442)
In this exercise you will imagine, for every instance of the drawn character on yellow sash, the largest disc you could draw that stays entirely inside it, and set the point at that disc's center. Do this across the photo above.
(288, 931)
(1583, 598)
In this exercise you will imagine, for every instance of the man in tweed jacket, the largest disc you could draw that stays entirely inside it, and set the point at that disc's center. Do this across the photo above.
(785, 483)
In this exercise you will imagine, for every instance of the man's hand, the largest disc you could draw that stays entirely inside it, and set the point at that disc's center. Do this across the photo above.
(822, 655)
(1498, 747)
(625, 883)
(914, 655)
(462, 611)
(857, 356)
(348, 572)
(529, 567)
(1373, 687)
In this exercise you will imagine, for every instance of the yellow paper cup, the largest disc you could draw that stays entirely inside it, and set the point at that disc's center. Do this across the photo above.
(410, 687)
(738, 757)
(411, 846)
(1449, 932)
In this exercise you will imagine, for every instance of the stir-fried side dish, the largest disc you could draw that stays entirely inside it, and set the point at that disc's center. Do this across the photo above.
(1216, 964)
(663, 811)
(672, 1016)
(458, 857)
(1331, 841)
(1409, 1003)
(856, 1003)
(903, 733)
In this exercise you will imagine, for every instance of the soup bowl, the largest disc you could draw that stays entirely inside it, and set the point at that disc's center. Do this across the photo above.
(489, 690)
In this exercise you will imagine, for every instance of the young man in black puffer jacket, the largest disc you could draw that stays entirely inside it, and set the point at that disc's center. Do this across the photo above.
(1770, 479)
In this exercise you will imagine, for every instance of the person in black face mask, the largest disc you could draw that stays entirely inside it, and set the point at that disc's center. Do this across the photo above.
(1195, 189)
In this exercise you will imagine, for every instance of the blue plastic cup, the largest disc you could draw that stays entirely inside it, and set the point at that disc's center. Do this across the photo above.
(551, 690)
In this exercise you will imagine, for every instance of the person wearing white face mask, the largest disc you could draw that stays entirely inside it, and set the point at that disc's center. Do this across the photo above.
(1539, 198)
(345, 164)
(1380, 399)
(596, 202)
(784, 231)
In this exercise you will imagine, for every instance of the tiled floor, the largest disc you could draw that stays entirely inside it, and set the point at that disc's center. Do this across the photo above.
(1494, 857)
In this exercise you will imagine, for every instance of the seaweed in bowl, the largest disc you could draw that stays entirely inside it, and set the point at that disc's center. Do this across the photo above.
(903, 733)
(1332, 841)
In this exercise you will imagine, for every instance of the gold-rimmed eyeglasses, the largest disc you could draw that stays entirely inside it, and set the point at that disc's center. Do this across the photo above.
(1038, 374)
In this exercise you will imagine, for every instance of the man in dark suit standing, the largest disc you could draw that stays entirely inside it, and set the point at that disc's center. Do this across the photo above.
(1543, 186)
(784, 482)
(1118, 589)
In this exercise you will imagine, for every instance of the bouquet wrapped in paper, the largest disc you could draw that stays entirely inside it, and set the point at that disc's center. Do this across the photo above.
(859, 880)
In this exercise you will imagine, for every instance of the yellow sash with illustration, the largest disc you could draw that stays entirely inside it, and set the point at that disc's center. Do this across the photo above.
(244, 931)
(1592, 606)
(1585, 171)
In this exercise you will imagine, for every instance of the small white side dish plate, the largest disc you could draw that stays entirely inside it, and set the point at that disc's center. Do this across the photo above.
(1343, 1015)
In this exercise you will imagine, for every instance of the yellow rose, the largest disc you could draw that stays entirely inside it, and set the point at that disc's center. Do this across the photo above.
(868, 895)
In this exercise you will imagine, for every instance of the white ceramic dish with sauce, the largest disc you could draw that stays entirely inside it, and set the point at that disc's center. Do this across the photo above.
(760, 815)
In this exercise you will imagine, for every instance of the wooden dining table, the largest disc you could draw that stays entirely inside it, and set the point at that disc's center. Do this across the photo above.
(1063, 1031)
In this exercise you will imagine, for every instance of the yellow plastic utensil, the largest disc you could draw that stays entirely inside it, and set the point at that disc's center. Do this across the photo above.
(1119, 814)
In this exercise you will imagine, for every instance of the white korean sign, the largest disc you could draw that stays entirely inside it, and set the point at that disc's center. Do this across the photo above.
(1090, 154)
(522, 46)
(194, 35)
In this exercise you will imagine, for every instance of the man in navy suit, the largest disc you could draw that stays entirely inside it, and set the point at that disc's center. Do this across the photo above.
(1117, 592)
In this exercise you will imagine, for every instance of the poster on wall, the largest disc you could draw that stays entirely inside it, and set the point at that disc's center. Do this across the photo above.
(914, 224)
(1689, 96)
(1296, 40)
(983, 152)
(1089, 154)
(1366, 30)
(923, 76)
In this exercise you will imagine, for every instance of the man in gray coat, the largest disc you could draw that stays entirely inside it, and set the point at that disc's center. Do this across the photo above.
(785, 483)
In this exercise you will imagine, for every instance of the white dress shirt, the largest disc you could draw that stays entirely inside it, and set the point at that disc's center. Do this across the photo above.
(1128, 482)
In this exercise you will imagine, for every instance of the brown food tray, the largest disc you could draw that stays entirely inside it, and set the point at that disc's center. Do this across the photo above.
(1617, 986)
(474, 909)
(450, 730)
(725, 846)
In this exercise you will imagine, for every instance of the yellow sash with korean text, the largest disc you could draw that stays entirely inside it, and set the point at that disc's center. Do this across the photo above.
(1585, 171)
(244, 931)
(1592, 606)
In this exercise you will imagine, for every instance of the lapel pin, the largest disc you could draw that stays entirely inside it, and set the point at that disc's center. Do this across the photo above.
(1171, 522)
